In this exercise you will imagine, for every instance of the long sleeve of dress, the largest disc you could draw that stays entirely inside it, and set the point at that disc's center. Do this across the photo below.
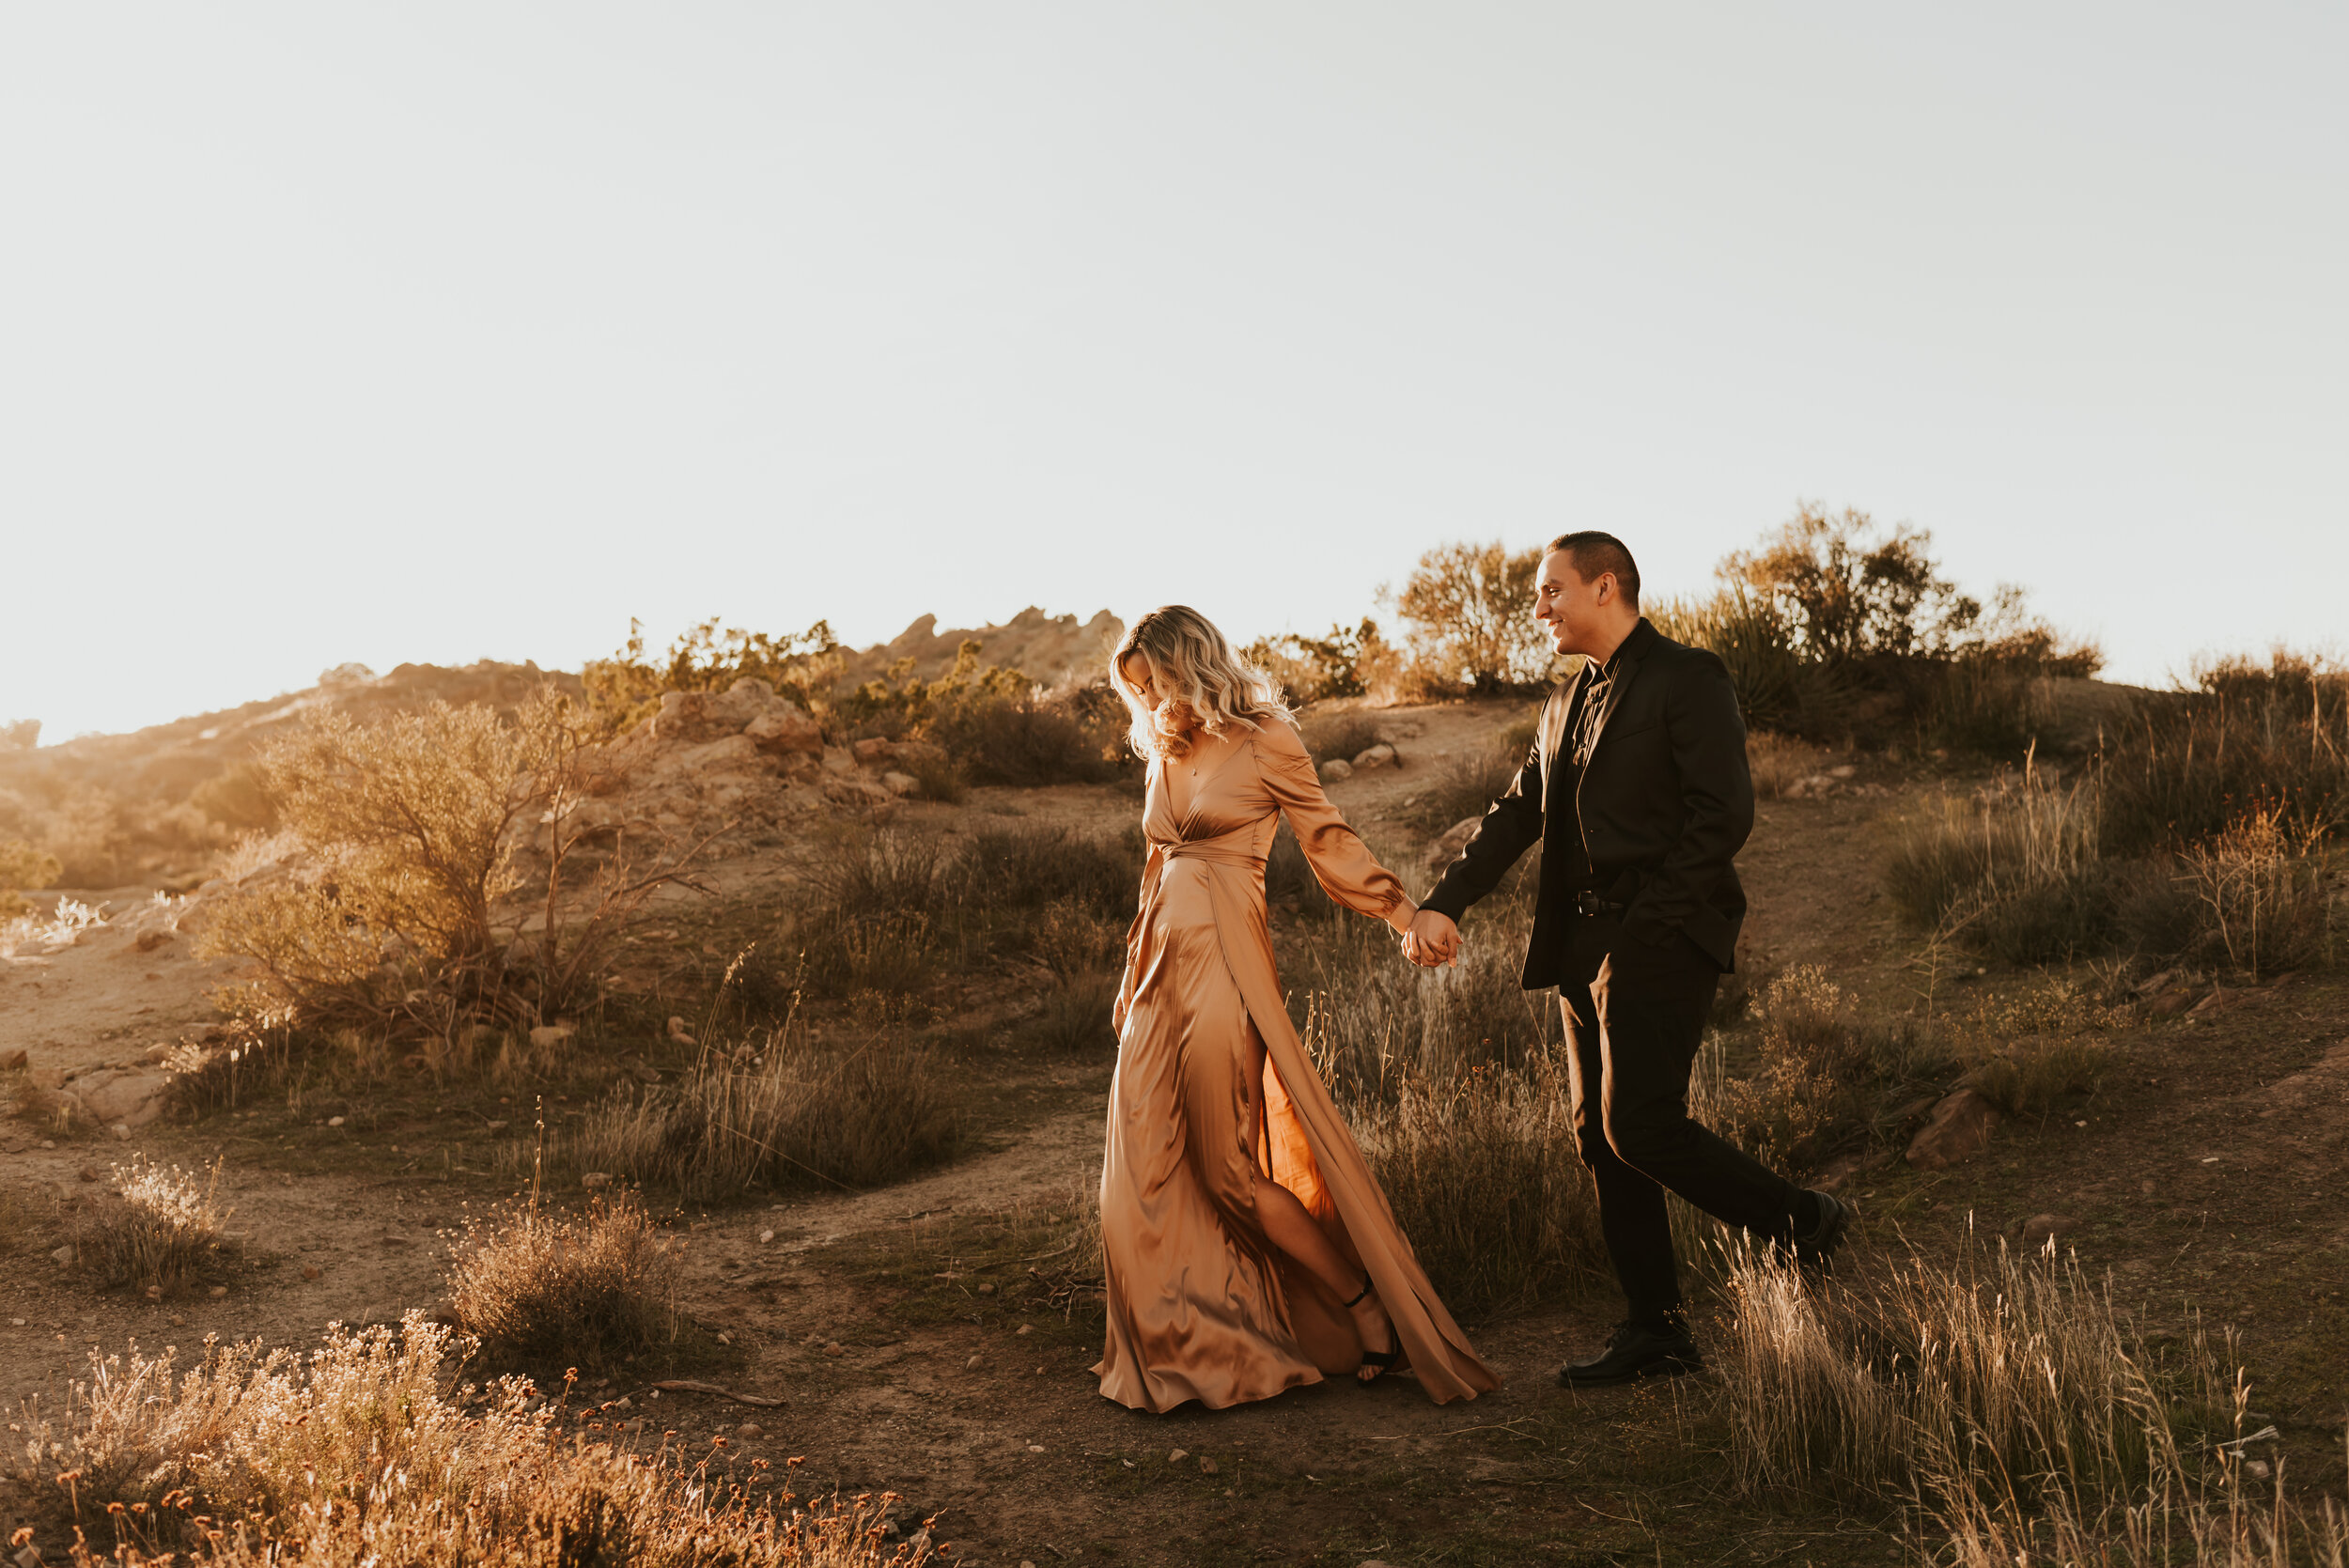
(1342, 862)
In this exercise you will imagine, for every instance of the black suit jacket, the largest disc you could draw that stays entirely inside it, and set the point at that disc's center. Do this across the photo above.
(1662, 808)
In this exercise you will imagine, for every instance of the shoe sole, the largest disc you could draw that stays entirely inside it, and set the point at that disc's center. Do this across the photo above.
(1677, 1366)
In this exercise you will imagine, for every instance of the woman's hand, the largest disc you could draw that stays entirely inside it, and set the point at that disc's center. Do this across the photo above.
(1432, 939)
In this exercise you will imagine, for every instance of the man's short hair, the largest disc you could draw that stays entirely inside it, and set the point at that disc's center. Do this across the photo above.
(1595, 555)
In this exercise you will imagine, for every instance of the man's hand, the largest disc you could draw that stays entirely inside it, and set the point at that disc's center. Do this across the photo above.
(1431, 940)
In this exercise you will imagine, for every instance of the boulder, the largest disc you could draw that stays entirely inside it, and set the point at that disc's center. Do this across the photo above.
(13, 1060)
(1447, 848)
(784, 730)
(2040, 1228)
(130, 1097)
(900, 784)
(547, 1036)
(874, 752)
(1336, 769)
(1961, 1124)
(1380, 755)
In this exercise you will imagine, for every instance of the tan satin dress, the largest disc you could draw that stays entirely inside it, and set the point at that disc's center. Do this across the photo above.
(1201, 1305)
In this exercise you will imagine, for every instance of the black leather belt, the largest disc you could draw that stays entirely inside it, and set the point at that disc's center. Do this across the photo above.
(1593, 905)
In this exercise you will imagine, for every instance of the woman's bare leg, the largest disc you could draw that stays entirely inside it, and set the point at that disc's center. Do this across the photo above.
(1288, 1226)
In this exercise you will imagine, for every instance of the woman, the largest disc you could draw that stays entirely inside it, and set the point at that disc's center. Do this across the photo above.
(1247, 1250)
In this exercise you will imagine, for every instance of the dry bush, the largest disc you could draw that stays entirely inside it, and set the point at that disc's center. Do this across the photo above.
(881, 912)
(24, 869)
(1808, 1095)
(364, 1452)
(2016, 872)
(1468, 609)
(1463, 784)
(2250, 739)
(1341, 736)
(592, 1288)
(627, 688)
(1756, 641)
(2261, 884)
(1990, 1369)
(1780, 761)
(396, 917)
(2025, 1050)
(785, 1112)
(1077, 1016)
(158, 1229)
(1355, 661)
(1482, 1173)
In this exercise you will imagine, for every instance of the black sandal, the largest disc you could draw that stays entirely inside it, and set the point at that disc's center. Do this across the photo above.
(1381, 1359)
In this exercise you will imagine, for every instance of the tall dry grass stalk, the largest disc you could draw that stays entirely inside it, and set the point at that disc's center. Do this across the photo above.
(2261, 884)
(1482, 1173)
(782, 1110)
(2016, 871)
(159, 1228)
(1982, 1370)
(363, 1452)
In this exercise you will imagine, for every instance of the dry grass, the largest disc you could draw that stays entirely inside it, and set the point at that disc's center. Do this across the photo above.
(2028, 1049)
(158, 1229)
(1483, 1178)
(1809, 1095)
(1779, 762)
(1953, 1375)
(363, 1452)
(592, 1288)
(2016, 871)
(2261, 886)
(783, 1110)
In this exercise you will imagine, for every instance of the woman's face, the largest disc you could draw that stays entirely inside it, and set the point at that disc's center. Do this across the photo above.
(1137, 671)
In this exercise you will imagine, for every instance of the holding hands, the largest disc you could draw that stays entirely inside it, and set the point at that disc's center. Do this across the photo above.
(1432, 939)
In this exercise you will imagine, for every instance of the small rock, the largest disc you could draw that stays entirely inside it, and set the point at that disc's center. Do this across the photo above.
(899, 783)
(150, 940)
(495, 1127)
(973, 1364)
(219, 1291)
(334, 1121)
(91, 1174)
(593, 1179)
(833, 1349)
(28, 1557)
(13, 1061)
(724, 1338)
(766, 1235)
(1959, 1128)
(1178, 1456)
(1845, 771)
(1035, 1447)
(550, 1034)
(749, 1430)
(121, 1131)
(1207, 1465)
(678, 1031)
(623, 1403)
(153, 1293)
(309, 1271)
(1336, 770)
(1380, 755)
(63, 1255)
(1023, 1329)
(985, 1288)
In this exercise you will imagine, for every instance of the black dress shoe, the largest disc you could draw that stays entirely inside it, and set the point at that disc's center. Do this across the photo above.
(1632, 1352)
(1818, 1244)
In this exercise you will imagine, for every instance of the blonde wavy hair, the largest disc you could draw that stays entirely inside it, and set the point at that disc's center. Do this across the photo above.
(1203, 683)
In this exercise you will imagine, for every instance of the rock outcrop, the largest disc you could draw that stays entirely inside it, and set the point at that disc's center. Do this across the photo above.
(1047, 649)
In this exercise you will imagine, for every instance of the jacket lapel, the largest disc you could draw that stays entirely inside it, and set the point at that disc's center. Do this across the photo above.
(1634, 655)
(1554, 737)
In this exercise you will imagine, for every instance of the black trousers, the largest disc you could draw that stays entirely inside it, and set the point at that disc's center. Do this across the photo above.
(1635, 1016)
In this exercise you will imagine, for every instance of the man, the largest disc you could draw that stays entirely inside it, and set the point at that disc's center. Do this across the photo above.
(1636, 788)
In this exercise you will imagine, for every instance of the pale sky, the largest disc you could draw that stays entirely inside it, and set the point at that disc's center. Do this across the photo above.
(440, 331)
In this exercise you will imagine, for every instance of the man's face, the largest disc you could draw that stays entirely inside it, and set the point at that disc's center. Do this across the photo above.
(1567, 607)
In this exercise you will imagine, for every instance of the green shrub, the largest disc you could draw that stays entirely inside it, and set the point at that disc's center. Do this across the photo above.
(1348, 662)
(1755, 640)
(22, 869)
